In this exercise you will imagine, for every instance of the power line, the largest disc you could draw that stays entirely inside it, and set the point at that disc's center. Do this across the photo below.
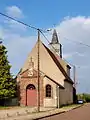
(21, 22)
(67, 39)
(26, 25)
(39, 29)
(77, 42)
(74, 67)
(36, 29)
(54, 48)
(45, 37)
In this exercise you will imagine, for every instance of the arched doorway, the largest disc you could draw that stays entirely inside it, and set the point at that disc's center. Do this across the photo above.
(31, 95)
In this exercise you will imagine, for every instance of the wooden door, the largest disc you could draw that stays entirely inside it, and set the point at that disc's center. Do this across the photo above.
(31, 95)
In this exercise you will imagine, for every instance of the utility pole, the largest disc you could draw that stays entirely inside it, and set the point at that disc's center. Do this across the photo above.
(74, 75)
(38, 79)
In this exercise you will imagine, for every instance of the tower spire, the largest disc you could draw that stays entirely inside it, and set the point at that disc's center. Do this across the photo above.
(54, 38)
(55, 46)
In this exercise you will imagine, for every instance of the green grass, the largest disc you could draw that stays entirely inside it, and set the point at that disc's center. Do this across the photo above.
(3, 107)
(69, 106)
(7, 107)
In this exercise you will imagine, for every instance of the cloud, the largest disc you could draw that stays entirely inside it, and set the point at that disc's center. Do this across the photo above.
(14, 11)
(77, 29)
(18, 48)
(71, 54)
(70, 29)
(67, 55)
(15, 25)
(17, 13)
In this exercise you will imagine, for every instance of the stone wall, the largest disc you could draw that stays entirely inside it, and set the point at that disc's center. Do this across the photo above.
(66, 95)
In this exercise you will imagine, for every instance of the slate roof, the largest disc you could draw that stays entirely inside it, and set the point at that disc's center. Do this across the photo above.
(57, 62)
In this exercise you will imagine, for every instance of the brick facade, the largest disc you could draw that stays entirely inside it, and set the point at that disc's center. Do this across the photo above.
(23, 81)
(51, 66)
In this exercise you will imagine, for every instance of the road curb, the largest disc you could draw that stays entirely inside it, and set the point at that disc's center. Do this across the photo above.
(49, 115)
(78, 107)
(37, 118)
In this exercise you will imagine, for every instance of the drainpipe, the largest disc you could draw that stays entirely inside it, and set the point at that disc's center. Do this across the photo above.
(58, 96)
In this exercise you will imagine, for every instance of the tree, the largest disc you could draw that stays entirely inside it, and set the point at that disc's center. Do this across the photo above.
(85, 97)
(7, 84)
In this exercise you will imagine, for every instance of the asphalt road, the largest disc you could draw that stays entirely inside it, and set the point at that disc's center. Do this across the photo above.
(81, 113)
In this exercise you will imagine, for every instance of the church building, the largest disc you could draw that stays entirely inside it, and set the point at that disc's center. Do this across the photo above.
(56, 86)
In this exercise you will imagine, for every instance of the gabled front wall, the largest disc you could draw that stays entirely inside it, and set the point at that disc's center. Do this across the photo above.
(66, 94)
(47, 65)
(49, 68)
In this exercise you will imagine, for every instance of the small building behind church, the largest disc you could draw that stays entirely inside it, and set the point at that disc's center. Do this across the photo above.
(56, 86)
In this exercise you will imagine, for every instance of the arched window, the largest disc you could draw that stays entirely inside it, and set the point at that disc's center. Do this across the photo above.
(48, 90)
(31, 87)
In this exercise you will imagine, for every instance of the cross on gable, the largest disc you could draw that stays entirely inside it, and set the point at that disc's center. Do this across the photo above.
(30, 67)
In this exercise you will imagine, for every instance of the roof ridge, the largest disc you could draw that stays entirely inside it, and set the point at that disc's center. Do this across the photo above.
(58, 63)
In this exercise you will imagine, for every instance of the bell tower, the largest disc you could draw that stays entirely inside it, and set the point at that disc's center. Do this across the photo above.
(55, 46)
(31, 67)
